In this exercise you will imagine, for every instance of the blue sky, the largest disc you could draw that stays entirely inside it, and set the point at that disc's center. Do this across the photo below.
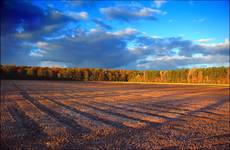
(114, 34)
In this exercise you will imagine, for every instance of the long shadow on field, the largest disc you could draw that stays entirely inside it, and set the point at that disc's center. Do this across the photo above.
(164, 106)
(209, 107)
(120, 136)
(180, 109)
(88, 115)
(66, 121)
(205, 108)
(131, 110)
(157, 107)
(33, 135)
(111, 112)
(171, 110)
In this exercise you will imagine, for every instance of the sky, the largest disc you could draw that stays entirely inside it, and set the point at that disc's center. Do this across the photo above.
(139, 35)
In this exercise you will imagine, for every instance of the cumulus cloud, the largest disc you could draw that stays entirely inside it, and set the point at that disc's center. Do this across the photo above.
(159, 46)
(38, 37)
(98, 48)
(95, 48)
(212, 48)
(14, 51)
(53, 21)
(164, 46)
(22, 25)
(29, 22)
(130, 14)
(175, 62)
(175, 52)
(16, 13)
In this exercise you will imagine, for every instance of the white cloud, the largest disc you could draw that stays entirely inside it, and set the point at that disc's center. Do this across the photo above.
(94, 48)
(215, 48)
(46, 46)
(53, 64)
(78, 15)
(131, 13)
(159, 3)
(205, 40)
(37, 53)
(84, 15)
(93, 30)
(148, 12)
(42, 45)
(174, 62)
(127, 31)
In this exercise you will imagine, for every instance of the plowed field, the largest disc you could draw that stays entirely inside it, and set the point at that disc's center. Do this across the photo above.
(99, 115)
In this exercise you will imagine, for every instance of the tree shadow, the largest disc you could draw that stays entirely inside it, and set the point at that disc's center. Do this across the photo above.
(66, 121)
(132, 110)
(32, 134)
(139, 131)
(111, 112)
(88, 115)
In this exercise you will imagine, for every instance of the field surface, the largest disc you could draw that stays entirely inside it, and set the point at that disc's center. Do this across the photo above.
(95, 115)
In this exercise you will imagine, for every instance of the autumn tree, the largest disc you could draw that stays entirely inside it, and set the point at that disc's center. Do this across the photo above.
(217, 75)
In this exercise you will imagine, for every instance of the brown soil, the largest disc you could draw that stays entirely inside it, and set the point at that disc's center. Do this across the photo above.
(95, 115)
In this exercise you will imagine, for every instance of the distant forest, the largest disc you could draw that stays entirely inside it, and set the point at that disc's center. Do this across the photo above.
(212, 75)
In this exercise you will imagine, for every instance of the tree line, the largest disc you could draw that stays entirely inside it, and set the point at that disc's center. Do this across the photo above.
(213, 75)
